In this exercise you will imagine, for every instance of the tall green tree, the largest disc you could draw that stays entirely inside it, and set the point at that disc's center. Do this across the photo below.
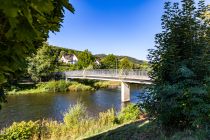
(24, 25)
(41, 64)
(85, 59)
(125, 64)
(181, 67)
(109, 62)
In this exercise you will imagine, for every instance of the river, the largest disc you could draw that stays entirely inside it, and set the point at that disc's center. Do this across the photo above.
(53, 105)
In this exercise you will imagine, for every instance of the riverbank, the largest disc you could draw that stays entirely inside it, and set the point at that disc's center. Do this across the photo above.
(128, 124)
(63, 86)
(148, 130)
(77, 124)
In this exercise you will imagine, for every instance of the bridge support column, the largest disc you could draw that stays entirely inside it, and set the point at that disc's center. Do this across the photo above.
(125, 92)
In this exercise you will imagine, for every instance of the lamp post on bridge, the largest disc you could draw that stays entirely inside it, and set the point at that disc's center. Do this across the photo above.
(116, 66)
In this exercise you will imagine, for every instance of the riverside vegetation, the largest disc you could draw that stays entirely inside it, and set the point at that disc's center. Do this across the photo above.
(77, 124)
(63, 86)
(129, 123)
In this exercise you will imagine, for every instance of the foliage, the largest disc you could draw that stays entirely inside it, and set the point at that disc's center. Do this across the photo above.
(75, 86)
(180, 68)
(109, 62)
(24, 25)
(75, 114)
(77, 124)
(85, 59)
(54, 86)
(41, 64)
(130, 113)
(106, 84)
(189, 134)
(21, 131)
(107, 118)
(125, 64)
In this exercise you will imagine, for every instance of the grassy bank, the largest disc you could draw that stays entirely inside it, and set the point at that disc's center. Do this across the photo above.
(54, 86)
(126, 125)
(106, 84)
(76, 125)
(146, 130)
(63, 86)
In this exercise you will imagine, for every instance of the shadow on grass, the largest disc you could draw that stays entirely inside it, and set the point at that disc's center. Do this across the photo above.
(140, 130)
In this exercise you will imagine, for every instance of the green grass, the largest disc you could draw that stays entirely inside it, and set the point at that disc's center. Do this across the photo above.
(54, 86)
(146, 130)
(75, 86)
(106, 84)
(78, 125)
(63, 86)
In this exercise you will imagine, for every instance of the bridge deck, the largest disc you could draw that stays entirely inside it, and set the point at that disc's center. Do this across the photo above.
(131, 76)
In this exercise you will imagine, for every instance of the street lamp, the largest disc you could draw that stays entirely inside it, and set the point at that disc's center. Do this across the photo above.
(116, 65)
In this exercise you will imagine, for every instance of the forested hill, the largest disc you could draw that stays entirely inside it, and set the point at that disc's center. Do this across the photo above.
(133, 60)
(100, 56)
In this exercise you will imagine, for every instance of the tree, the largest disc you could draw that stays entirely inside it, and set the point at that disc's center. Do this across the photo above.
(24, 25)
(125, 64)
(109, 62)
(180, 68)
(85, 59)
(41, 64)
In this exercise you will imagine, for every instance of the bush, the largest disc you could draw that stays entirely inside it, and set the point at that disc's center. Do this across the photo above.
(75, 86)
(21, 131)
(106, 118)
(54, 86)
(190, 135)
(75, 114)
(129, 113)
(106, 84)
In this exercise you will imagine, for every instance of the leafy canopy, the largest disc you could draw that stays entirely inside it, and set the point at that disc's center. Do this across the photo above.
(180, 64)
(24, 25)
(85, 59)
(109, 62)
(125, 64)
(42, 63)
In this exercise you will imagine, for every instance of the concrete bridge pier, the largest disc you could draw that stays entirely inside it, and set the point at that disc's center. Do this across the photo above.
(125, 92)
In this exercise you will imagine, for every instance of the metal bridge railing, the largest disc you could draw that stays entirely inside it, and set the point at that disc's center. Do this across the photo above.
(109, 73)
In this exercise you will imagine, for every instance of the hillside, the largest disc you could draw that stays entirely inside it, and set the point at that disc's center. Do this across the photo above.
(100, 56)
(134, 60)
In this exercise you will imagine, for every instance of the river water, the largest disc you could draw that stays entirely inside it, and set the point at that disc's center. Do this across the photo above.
(53, 105)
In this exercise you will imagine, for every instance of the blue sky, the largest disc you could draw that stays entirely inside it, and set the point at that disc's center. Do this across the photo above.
(121, 27)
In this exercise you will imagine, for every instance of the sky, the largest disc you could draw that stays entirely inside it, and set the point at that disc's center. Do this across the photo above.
(120, 27)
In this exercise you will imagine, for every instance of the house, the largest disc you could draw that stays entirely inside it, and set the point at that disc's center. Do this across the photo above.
(69, 59)
(97, 62)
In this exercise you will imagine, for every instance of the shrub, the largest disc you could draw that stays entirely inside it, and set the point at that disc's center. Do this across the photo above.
(21, 131)
(54, 86)
(106, 118)
(129, 113)
(106, 84)
(75, 114)
(63, 86)
(79, 87)
(190, 135)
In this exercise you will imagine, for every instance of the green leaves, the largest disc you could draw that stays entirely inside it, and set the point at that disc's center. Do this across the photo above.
(125, 64)
(110, 62)
(68, 6)
(180, 65)
(24, 25)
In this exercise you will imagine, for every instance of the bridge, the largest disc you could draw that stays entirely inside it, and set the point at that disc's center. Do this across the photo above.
(126, 77)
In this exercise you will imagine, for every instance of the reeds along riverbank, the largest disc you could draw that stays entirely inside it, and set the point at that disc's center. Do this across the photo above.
(77, 124)
(63, 86)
